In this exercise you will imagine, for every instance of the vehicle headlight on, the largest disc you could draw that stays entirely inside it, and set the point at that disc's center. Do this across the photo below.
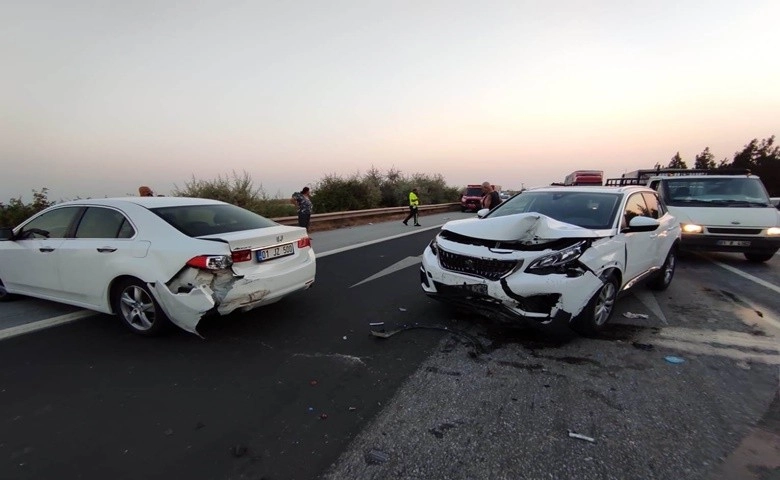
(557, 262)
(691, 228)
(773, 231)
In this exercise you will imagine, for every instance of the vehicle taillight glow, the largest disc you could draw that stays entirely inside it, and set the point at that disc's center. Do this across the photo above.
(241, 256)
(210, 262)
(304, 242)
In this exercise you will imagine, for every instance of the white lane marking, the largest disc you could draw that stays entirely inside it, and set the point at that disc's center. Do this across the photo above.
(373, 242)
(47, 323)
(405, 263)
(748, 276)
(648, 299)
(721, 337)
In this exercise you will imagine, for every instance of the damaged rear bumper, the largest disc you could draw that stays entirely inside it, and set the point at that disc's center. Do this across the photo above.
(194, 293)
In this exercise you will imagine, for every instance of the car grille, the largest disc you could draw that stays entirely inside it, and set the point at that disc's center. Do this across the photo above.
(478, 267)
(735, 231)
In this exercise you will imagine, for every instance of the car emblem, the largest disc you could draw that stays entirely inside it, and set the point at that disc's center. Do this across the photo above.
(279, 238)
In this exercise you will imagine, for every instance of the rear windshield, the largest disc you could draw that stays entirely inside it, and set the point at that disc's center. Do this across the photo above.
(199, 220)
(716, 192)
(588, 210)
(473, 192)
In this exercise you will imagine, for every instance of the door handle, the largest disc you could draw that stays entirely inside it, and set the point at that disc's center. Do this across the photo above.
(106, 249)
(46, 249)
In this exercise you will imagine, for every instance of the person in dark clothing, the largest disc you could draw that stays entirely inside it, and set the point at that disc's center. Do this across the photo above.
(490, 197)
(302, 200)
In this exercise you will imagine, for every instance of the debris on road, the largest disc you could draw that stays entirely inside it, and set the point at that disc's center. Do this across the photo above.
(378, 330)
(168, 432)
(376, 457)
(674, 360)
(323, 416)
(313, 383)
(238, 451)
(344, 337)
(643, 346)
(743, 364)
(352, 409)
(635, 315)
(402, 309)
(579, 436)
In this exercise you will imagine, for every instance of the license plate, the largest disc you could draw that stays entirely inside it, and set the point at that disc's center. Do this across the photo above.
(478, 288)
(733, 243)
(274, 252)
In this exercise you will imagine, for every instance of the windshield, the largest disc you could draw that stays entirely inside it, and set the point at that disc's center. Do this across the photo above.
(199, 220)
(585, 209)
(716, 192)
(473, 192)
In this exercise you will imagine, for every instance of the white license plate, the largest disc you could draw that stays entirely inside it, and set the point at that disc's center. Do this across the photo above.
(733, 243)
(275, 252)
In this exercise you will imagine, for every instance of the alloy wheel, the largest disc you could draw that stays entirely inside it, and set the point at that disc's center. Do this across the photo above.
(137, 308)
(604, 304)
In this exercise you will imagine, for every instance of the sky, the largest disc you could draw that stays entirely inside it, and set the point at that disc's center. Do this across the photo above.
(98, 98)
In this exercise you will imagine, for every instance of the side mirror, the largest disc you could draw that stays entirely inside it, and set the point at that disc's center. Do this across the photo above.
(643, 224)
(6, 233)
(483, 212)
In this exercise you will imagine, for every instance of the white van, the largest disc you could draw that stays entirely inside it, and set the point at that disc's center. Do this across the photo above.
(718, 210)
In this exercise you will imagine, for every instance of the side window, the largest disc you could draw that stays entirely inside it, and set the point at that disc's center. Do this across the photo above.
(100, 222)
(52, 224)
(653, 205)
(634, 208)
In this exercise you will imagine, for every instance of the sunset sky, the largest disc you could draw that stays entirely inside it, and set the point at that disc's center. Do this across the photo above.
(97, 98)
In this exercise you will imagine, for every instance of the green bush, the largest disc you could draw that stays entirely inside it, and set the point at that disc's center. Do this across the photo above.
(16, 211)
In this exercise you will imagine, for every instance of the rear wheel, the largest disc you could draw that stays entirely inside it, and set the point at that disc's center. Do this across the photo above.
(759, 257)
(664, 277)
(138, 309)
(599, 309)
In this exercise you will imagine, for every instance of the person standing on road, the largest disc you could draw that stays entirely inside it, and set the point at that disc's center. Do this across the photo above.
(302, 200)
(414, 203)
(490, 197)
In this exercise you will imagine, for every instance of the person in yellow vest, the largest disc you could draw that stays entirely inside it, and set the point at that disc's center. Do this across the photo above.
(414, 202)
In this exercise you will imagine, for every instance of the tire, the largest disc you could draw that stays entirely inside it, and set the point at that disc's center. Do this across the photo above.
(138, 309)
(759, 257)
(599, 309)
(4, 295)
(663, 279)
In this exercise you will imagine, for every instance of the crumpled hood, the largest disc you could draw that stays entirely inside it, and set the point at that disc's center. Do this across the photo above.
(522, 227)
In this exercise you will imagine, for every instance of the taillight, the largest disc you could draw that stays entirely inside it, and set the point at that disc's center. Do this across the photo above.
(210, 262)
(304, 242)
(241, 256)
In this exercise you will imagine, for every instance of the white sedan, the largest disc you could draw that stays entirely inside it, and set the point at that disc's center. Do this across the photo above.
(154, 259)
(554, 255)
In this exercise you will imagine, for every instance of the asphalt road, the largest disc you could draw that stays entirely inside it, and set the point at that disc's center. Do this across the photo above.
(299, 389)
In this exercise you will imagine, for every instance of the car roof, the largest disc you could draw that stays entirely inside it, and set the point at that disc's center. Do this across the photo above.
(697, 177)
(593, 189)
(147, 202)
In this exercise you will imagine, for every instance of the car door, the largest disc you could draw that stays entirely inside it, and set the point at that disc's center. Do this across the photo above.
(100, 247)
(666, 233)
(640, 246)
(29, 263)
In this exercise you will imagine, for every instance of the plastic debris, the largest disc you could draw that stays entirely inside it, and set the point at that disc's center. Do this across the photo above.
(169, 432)
(378, 330)
(344, 337)
(323, 416)
(402, 309)
(674, 360)
(376, 457)
(643, 346)
(579, 436)
(352, 409)
(311, 409)
(635, 315)
(313, 383)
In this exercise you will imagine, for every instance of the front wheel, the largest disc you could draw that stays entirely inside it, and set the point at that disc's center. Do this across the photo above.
(599, 309)
(759, 257)
(664, 277)
(138, 309)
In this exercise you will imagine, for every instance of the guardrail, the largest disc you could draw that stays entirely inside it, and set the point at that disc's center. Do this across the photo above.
(327, 221)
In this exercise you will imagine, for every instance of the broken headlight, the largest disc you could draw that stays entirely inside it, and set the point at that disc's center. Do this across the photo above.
(558, 262)
(434, 246)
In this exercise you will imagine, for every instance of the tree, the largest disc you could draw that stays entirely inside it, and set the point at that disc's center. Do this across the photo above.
(677, 162)
(762, 158)
(705, 160)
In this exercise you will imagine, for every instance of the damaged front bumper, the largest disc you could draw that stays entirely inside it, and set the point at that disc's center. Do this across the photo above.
(194, 293)
(552, 299)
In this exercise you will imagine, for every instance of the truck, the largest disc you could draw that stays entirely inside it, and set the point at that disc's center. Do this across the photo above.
(585, 177)
(719, 210)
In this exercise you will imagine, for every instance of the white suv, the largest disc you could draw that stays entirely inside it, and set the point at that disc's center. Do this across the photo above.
(554, 255)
